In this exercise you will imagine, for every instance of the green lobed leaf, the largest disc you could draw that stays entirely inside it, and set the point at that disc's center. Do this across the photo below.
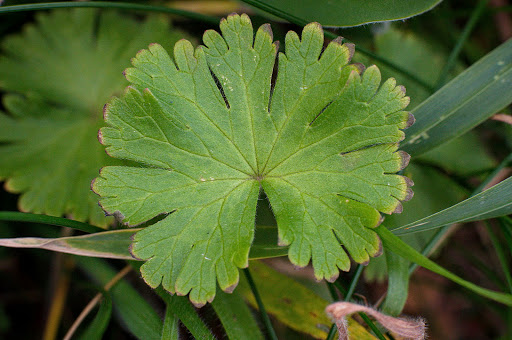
(493, 202)
(322, 144)
(466, 101)
(57, 74)
(409, 51)
(347, 13)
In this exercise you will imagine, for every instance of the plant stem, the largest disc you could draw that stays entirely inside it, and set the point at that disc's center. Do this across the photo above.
(501, 255)
(264, 316)
(45, 219)
(470, 25)
(353, 283)
(332, 332)
(301, 22)
(365, 317)
(109, 4)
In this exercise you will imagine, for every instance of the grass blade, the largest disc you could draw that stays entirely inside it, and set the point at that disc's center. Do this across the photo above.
(463, 103)
(493, 202)
(399, 247)
(45, 219)
(264, 316)
(398, 284)
(113, 244)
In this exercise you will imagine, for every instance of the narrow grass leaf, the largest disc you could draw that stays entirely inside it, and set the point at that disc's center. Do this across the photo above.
(466, 101)
(398, 283)
(399, 247)
(115, 244)
(108, 244)
(236, 317)
(491, 203)
(45, 219)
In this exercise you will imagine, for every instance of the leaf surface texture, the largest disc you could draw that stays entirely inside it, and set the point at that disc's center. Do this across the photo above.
(210, 131)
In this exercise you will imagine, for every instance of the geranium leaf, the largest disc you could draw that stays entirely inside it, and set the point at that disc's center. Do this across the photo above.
(58, 74)
(210, 132)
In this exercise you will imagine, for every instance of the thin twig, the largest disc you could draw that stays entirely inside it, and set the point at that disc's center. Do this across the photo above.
(97, 298)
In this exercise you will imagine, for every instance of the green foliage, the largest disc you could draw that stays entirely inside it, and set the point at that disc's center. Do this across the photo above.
(346, 13)
(323, 147)
(58, 74)
(206, 138)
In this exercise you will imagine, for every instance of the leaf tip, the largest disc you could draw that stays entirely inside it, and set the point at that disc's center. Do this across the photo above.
(410, 121)
(360, 68)
(338, 40)
(230, 289)
(351, 50)
(398, 209)
(333, 277)
(379, 222)
(268, 30)
(409, 194)
(405, 158)
(380, 250)
(100, 137)
(131, 250)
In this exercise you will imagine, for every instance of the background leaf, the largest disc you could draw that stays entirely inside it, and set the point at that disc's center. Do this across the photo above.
(347, 13)
(58, 74)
